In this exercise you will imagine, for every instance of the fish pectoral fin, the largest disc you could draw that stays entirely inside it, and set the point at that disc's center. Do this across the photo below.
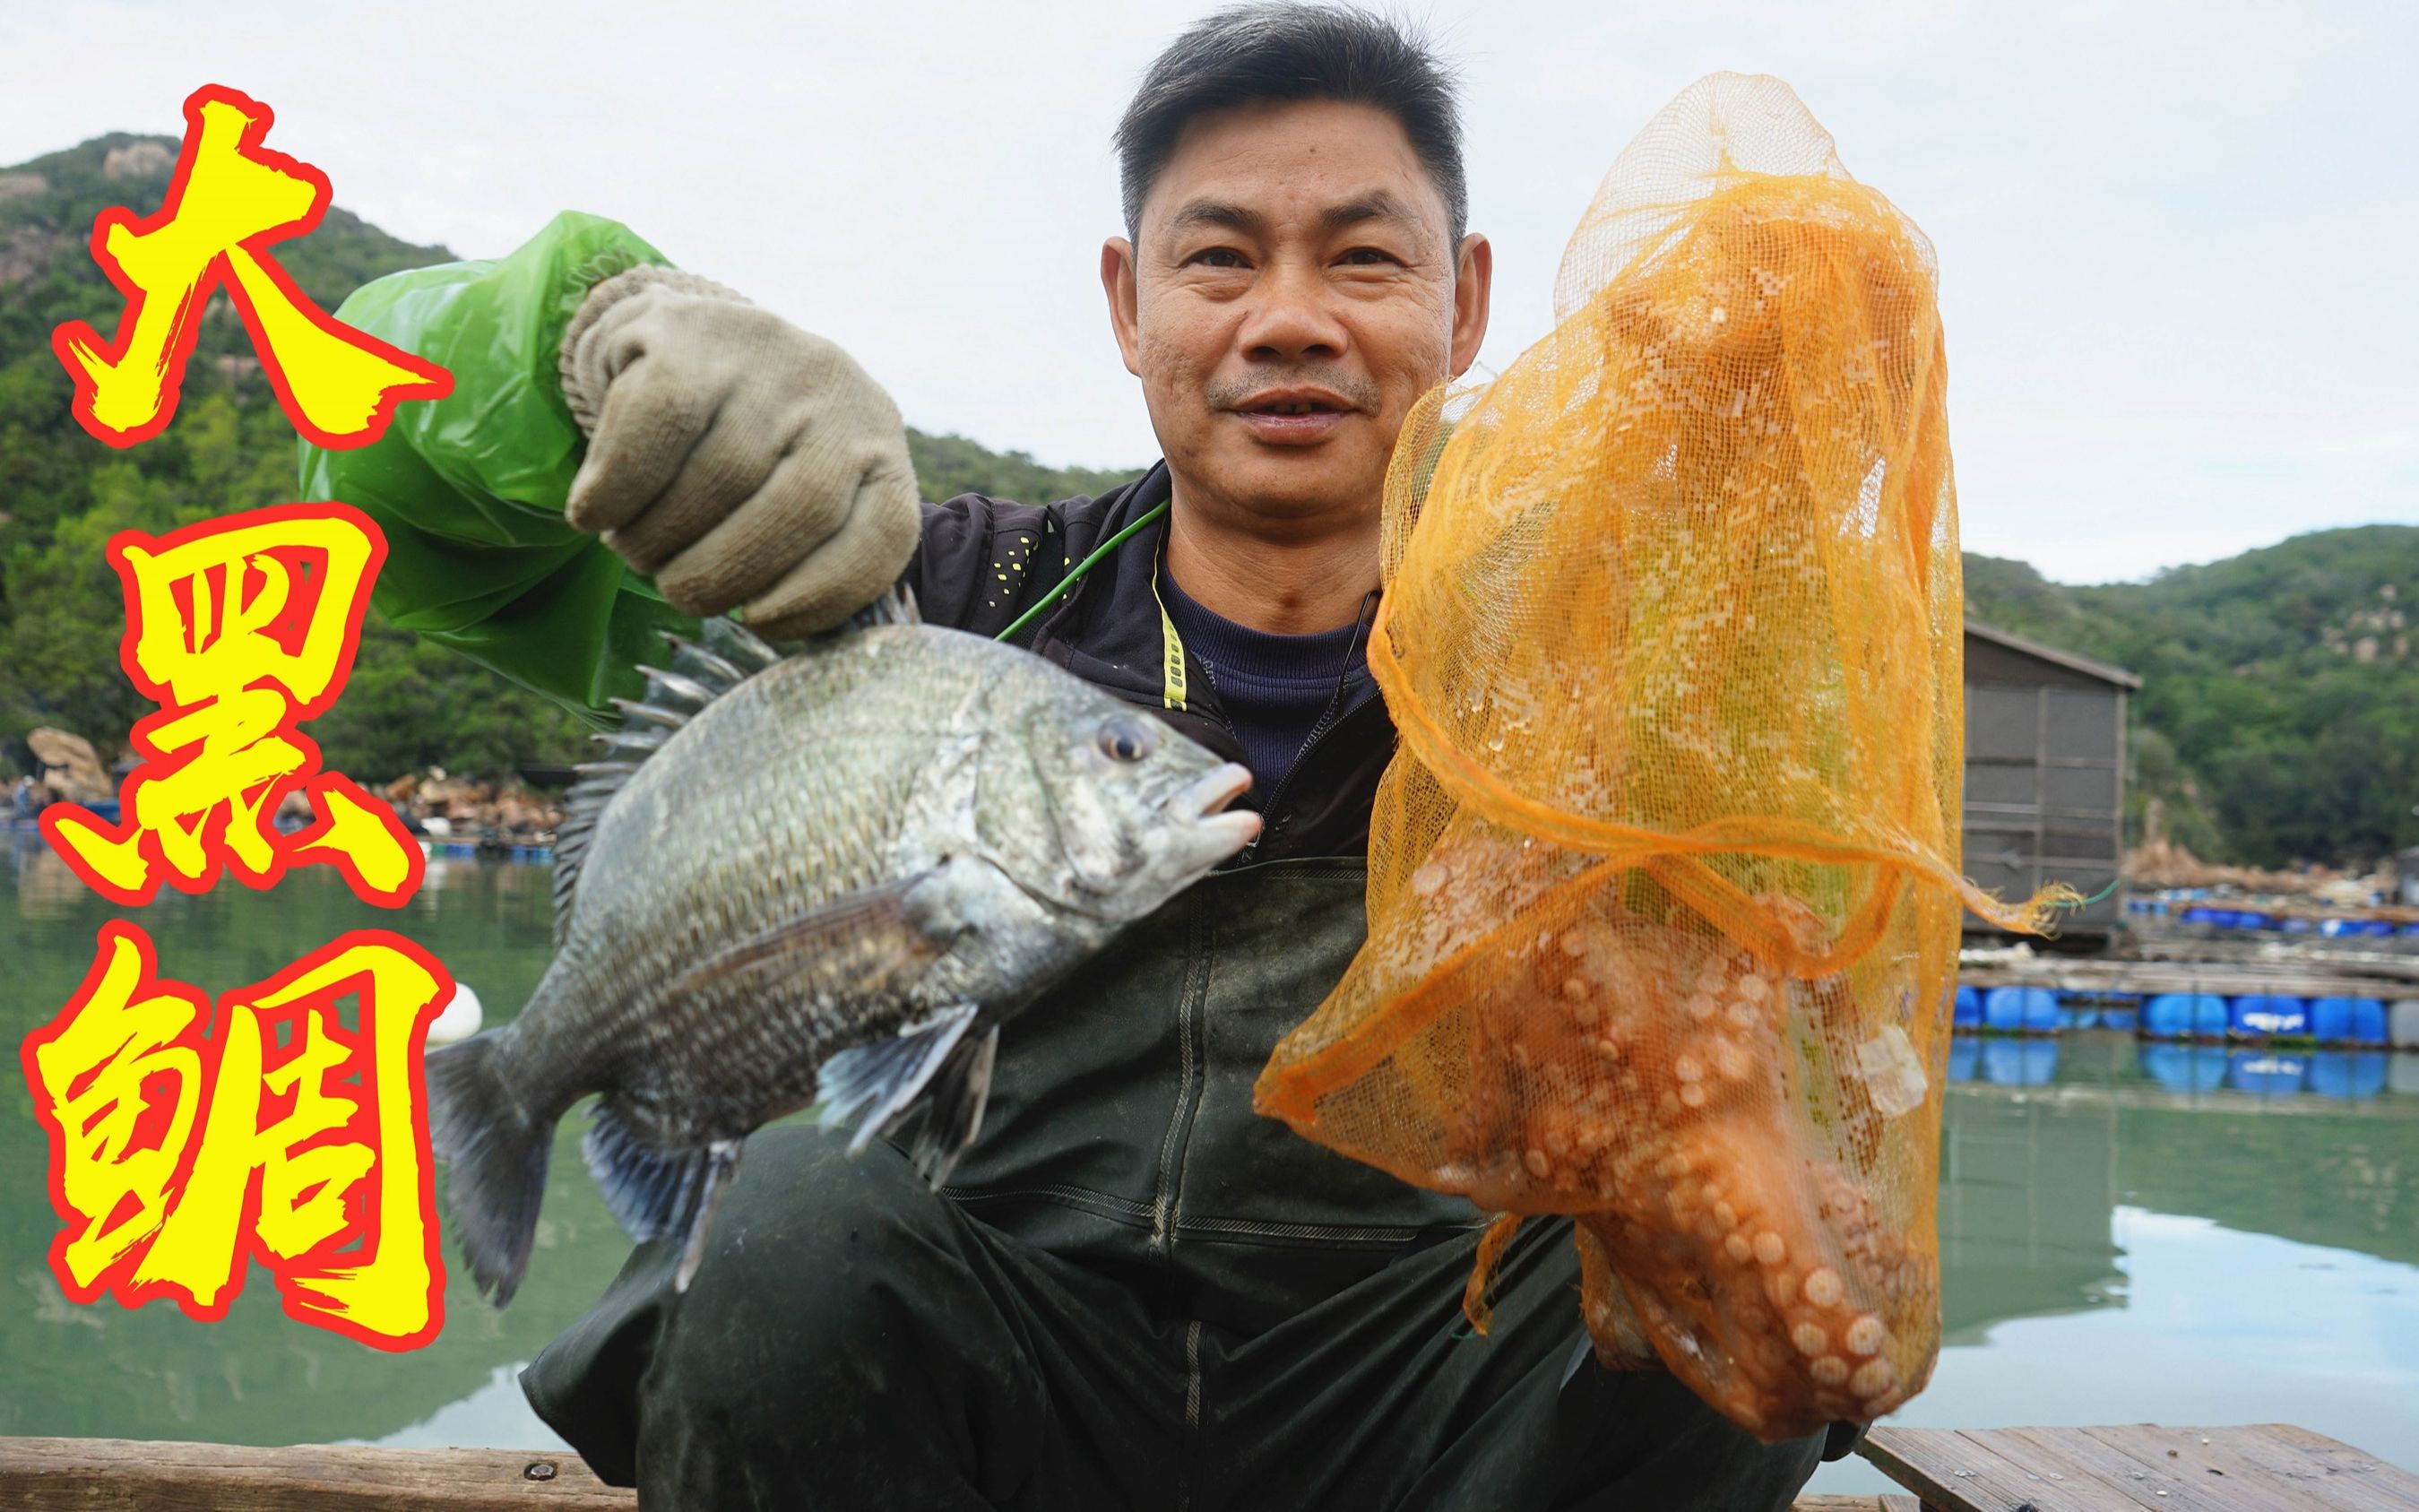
(867, 941)
(960, 1091)
(889, 1075)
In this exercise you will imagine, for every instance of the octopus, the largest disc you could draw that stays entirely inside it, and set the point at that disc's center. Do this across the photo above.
(1651, 1081)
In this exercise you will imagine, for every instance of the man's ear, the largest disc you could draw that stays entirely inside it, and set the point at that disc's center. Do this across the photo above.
(1474, 276)
(1117, 281)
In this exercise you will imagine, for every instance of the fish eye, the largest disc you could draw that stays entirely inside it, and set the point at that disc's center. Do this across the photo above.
(1127, 738)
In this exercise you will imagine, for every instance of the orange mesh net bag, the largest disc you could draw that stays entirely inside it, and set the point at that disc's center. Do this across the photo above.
(1663, 899)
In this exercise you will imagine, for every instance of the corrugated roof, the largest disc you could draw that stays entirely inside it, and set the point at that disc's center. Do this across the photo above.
(2068, 659)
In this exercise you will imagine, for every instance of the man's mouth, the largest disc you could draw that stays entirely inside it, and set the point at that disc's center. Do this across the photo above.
(1293, 419)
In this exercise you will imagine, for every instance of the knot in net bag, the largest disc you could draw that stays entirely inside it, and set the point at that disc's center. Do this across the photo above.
(1663, 899)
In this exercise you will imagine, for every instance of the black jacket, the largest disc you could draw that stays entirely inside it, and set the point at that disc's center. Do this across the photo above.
(984, 560)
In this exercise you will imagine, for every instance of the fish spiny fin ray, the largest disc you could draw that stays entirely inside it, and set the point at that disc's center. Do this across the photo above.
(724, 655)
(722, 1165)
(889, 1075)
(655, 1194)
(960, 1091)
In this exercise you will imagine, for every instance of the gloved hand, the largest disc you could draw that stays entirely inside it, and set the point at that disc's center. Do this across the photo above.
(740, 462)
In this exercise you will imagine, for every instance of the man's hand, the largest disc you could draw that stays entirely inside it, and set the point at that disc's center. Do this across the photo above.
(740, 462)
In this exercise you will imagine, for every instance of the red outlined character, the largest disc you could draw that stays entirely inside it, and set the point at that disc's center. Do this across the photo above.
(231, 200)
(285, 1137)
(239, 629)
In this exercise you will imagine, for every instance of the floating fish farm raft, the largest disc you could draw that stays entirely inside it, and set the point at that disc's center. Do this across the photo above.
(2266, 997)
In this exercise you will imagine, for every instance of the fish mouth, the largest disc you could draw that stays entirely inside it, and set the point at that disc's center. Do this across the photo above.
(1201, 804)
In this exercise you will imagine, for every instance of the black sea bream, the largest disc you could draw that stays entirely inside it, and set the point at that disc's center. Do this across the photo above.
(820, 876)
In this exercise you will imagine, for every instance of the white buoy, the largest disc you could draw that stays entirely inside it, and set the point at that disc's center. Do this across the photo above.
(460, 1019)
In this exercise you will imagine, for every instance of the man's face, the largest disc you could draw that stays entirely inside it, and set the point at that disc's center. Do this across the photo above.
(1293, 294)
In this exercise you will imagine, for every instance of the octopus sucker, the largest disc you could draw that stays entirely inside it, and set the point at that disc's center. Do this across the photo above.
(1666, 1096)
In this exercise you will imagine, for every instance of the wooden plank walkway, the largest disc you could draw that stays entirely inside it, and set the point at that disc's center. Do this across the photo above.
(2271, 1467)
(131, 1476)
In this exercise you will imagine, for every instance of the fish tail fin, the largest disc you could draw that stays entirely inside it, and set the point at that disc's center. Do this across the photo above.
(654, 1193)
(497, 1155)
(931, 1061)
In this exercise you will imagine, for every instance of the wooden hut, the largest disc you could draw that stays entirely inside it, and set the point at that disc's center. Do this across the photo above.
(2044, 772)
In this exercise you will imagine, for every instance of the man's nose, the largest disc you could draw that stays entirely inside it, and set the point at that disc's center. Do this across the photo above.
(1292, 317)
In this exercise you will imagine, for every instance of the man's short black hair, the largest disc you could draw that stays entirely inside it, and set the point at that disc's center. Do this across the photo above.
(1276, 51)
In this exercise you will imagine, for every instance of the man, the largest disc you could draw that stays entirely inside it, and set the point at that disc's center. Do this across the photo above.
(1135, 1293)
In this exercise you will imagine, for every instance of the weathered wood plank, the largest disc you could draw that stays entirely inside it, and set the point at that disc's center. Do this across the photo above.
(2337, 1473)
(129, 1475)
(2270, 1468)
(2202, 1458)
(1958, 1471)
(108, 1475)
(2064, 1455)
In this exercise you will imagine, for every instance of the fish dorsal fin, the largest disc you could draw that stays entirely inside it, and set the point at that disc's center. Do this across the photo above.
(724, 655)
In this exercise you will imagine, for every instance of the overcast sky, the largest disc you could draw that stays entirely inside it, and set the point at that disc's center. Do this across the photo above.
(2179, 242)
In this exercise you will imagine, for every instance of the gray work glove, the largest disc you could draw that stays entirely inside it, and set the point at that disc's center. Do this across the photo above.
(744, 465)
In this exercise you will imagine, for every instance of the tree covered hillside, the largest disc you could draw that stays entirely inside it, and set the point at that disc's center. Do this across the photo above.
(63, 494)
(2278, 718)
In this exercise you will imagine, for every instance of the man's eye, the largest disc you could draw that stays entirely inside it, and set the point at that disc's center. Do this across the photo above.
(1369, 257)
(1218, 258)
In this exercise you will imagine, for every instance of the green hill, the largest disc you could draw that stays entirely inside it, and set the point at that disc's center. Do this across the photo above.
(2279, 717)
(2279, 713)
(63, 494)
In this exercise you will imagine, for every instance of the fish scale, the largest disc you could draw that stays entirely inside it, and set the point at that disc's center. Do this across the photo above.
(821, 875)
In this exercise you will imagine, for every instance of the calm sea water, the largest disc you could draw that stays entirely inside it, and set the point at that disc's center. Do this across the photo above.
(2128, 1233)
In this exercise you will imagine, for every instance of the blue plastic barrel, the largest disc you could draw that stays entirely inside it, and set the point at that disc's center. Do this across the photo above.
(1968, 1013)
(1965, 1053)
(2299, 926)
(2271, 1013)
(2200, 915)
(2334, 928)
(2348, 1020)
(2347, 1072)
(2078, 1015)
(2183, 1015)
(2376, 928)
(2185, 1067)
(2266, 1073)
(2019, 1062)
(2125, 1018)
(2411, 928)
(2252, 918)
(2020, 1009)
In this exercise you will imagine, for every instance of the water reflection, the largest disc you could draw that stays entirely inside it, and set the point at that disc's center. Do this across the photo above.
(257, 1376)
(2097, 1195)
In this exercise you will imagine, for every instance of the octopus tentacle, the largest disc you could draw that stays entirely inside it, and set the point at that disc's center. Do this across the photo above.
(1641, 1078)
